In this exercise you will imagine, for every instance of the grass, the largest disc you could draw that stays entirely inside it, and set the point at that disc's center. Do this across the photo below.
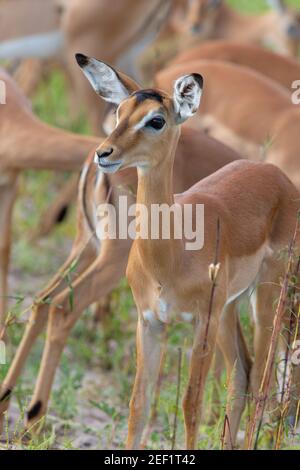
(89, 402)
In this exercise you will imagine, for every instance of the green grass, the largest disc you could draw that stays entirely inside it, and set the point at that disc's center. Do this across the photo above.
(105, 352)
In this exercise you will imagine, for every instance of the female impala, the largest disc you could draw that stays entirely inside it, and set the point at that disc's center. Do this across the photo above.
(256, 207)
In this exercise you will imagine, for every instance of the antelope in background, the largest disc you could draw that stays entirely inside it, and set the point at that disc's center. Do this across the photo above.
(282, 69)
(169, 282)
(27, 143)
(100, 264)
(214, 19)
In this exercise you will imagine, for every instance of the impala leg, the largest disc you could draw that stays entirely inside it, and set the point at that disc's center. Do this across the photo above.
(263, 302)
(7, 199)
(149, 354)
(218, 367)
(99, 279)
(199, 366)
(238, 365)
(37, 322)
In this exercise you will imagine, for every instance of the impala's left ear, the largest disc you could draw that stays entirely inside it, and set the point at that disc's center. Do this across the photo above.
(187, 96)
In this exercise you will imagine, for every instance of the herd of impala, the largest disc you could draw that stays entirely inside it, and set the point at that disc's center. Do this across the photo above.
(215, 125)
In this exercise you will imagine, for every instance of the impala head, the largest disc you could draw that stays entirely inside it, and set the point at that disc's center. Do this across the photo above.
(201, 17)
(289, 19)
(147, 121)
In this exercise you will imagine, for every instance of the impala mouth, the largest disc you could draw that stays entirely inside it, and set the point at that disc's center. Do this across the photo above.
(107, 167)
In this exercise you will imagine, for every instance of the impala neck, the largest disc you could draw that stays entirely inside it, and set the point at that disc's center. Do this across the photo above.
(155, 186)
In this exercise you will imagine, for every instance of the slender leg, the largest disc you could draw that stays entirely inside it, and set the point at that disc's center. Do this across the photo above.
(7, 199)
(238, 366)
(199, 366)
(218, 367)
(38, 320)
(99, 279)
(149, 354)
(264, 305)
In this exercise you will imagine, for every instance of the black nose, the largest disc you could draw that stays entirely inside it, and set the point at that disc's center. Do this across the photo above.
(106, 153)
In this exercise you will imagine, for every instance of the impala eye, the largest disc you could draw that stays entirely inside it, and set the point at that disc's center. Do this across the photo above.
(156, 123)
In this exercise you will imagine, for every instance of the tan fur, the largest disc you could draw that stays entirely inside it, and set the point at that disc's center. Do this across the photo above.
(281, 69)
(27, 17)
(225, 22)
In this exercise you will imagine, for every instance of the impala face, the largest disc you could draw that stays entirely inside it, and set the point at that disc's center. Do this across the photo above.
(146, 120)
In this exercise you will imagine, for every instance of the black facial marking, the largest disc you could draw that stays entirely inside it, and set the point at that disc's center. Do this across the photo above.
(143, 95)
(34, 410)
(6, 395)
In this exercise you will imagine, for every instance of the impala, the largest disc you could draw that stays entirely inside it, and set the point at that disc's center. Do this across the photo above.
(282, 69)
(27, 143)
(100, 266)
(169, 282)
(214, 19)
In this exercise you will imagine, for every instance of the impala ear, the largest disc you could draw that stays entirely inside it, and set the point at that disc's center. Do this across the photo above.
(187, 96)
(277, 5)
(111, 85)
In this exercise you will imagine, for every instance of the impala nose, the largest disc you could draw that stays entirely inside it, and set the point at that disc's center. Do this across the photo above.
(105, 154)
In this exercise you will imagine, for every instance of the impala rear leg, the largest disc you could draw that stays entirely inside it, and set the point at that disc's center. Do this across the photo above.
(38, 319)
(7, 199)
(238, 365)
(99, 279)
(264, 302)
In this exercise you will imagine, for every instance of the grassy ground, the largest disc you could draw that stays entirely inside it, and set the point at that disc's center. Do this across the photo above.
(89, 403)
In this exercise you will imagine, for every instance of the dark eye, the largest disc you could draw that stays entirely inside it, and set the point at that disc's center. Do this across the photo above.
(156, 123)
